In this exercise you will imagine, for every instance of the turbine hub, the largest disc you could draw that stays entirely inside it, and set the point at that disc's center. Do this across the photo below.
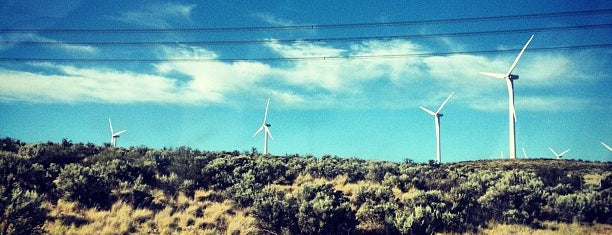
(513, 77)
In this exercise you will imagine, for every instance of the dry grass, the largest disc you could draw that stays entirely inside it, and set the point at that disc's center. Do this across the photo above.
(592, 179)
(181, 215)
(241, 224)
(549, 228)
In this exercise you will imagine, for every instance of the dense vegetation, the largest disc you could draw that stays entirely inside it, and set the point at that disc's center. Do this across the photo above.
(83, 188)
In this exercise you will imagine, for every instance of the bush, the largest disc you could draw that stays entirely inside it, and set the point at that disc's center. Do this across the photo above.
(20, 204)
(516, 198)
(324, 210)
(276, 211)
(21, 212)
(82, 184)
(425, 213)
(375, 209)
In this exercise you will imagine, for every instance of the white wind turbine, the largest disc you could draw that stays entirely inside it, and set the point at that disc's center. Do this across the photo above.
(509, 77)
(605, 145)
(266, 128)
(559, 155)
(114, 135)
(437, 116)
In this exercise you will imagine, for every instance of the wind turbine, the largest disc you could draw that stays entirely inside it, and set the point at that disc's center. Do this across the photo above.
(524, 153)
(605, 145)
(114, 135)
(559, 155)
(266, 128)
(437, 116)
(509, 77)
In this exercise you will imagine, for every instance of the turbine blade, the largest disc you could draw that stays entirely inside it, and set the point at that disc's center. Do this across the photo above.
(518, 57)
(269, 133)
(511, 98)
(111, 126)
(564, 152)
(259, 130)
(605, 145)
(553, 151)
(266, 113)
(495, 75)
(524, 153)
(447, 98)
(119, 133)
(428, 111)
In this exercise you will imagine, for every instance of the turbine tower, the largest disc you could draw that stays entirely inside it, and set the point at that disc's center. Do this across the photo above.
(559, 155)
(605, 145)
(114, 135)
(509, 77)
(266, 128)
(437, 116)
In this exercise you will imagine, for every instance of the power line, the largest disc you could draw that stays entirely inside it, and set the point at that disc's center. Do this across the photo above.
(319, 26)
(330, 39)
(322, 57)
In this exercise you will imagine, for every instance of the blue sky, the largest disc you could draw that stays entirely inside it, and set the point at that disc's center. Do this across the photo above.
(67, 66)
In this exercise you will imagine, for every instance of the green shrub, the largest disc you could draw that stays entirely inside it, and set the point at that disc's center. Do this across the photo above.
(276, 211)
(425, 213)
(82, 184)
(324, 210)
(375, 209)
(516, 198)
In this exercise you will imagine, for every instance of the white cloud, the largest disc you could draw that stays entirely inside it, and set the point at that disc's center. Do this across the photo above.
(31, 37)
(392, 82)
(346, 75)
(159, 15)
(555, 103)
(272, 19)
(78, 85)
(213, 79)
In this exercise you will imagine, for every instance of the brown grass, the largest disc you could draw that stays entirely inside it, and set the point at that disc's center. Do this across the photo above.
(181, 215)
(592, 179)
(549, 228)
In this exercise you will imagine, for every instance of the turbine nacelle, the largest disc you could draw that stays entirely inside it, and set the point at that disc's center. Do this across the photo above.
(513, 76)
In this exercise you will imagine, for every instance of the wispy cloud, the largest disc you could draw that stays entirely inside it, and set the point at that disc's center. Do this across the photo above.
(159, 15)
(75, 85)
(32, 37)
(391, 82)
(272, 19)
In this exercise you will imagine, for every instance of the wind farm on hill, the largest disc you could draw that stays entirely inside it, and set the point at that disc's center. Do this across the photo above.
(507, 77)
(343, 94)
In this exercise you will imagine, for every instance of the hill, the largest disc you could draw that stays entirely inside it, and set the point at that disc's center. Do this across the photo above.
(80, 188)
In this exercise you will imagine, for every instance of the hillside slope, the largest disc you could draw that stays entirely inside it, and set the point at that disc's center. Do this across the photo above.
(83, 188)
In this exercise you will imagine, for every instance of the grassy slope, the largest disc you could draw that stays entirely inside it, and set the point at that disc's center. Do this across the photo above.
(203, 214)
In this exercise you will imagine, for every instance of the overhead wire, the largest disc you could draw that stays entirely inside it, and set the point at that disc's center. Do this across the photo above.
(306, 40)
(322, 57)
(313, 26)
(328, 39)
